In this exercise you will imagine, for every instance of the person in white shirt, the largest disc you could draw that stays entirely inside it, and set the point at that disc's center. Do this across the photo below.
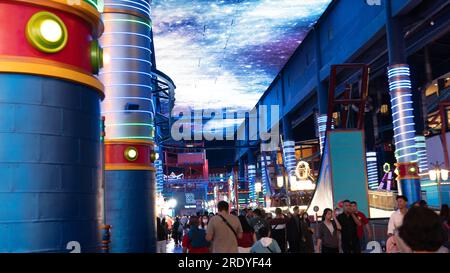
(395, 243)
(396, 220)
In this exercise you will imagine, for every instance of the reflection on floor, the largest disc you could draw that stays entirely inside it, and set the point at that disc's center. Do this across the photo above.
(171, 248)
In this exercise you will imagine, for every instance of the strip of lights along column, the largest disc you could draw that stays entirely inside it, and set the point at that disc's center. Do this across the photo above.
(129, 120)
(404, 131)
(372, 170)
(265, 162)
(251, 182)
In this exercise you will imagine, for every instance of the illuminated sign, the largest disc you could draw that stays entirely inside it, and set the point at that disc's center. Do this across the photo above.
(302, 170)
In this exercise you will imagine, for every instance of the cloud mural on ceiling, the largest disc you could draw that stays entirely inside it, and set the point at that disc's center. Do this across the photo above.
(226, 53)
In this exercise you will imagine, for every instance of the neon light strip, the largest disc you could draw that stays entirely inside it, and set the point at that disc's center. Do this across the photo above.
(131, 7)
(130, 137)
(132, 59)
(405, 140)
(129, 111)
(404, 148)
(405, 155)
(131, 98)
(400, 96)
(399, 104)
(130, 84)
(130, 124)
(403, 110)
(128, 21)
(131, 72)
(132, 46)
(407, 117)
(409, 124)
(404, 133)
(127, 33)
(146, 6)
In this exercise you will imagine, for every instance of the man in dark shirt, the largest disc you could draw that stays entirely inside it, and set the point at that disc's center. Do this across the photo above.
(258, 222)
(349, 226)
(294, 232)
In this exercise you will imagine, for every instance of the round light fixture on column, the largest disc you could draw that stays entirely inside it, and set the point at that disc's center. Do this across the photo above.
(46, 32)
(96, 56)
(131, 153)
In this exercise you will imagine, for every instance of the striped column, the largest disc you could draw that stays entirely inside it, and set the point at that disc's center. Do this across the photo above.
(50, 186)
(251, 173)
(289, 157)
(372, 170)
(265, 162)
(159, 177)
(321, 128)
(422, 155)
(404, 131)
(129, 112)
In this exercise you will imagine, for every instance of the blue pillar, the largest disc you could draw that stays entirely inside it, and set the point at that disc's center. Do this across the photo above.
(129, 141)
(50, 128)
(402, 109)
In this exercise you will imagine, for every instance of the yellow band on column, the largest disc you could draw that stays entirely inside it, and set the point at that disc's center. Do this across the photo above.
(41, 67)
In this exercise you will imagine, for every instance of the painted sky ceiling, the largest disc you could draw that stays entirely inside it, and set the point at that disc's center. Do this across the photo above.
(227, 52)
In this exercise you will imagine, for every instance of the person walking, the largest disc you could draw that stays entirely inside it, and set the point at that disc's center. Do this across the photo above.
(258, 222)
(203, 222)
(349, 225)
(328, 234)
(306, 242)
(265, 244)
(278, 226)
(224, 230)
(176, 231)
(363, 239)
(196, 238)
(294, 231)
(161, 235)
(396, 219)
(248, 236)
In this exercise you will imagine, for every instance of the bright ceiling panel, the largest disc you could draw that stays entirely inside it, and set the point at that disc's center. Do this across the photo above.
(226, 53)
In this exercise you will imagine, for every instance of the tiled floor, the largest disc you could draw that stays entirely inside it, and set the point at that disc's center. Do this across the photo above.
(171, 248)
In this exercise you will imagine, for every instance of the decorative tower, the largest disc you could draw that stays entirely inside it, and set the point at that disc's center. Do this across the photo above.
(50, 126)
(129, 119)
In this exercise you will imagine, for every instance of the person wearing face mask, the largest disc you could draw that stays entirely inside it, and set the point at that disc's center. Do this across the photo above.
(195, 239)
(204, 222)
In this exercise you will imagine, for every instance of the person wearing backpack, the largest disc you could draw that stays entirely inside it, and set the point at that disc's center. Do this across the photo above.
(258, 222)
(224, 230)
(265, 244)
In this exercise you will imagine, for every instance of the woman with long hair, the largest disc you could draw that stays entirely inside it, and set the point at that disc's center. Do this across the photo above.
(328, 234)
(248, 236)
(195, 238)
(306, 242)
(203, 222)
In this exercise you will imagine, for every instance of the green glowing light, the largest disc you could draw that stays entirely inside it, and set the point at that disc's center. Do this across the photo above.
(128, 20)
(98, 4)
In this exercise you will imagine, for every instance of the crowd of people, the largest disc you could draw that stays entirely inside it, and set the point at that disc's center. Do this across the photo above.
(342, 230)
